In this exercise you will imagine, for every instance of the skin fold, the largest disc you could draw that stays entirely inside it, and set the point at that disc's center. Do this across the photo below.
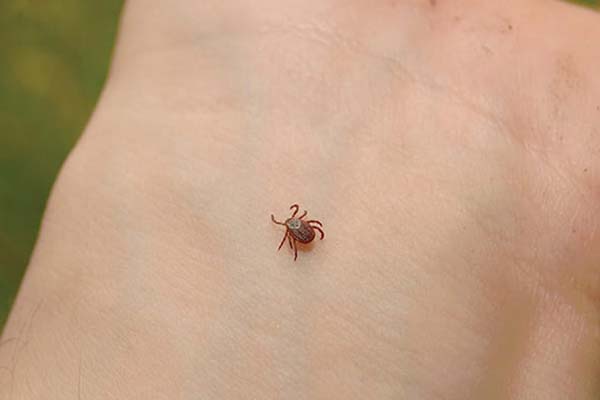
(450, 148)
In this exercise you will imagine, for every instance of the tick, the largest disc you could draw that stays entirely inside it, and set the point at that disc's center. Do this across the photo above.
(299, 230)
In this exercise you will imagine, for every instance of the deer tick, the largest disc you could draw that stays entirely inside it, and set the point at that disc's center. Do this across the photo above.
(299, 230)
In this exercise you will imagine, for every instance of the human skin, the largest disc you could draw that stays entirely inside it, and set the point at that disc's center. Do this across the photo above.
(450, 149)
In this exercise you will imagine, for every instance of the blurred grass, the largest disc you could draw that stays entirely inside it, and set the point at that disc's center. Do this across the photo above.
(589, 3)
(54, 57)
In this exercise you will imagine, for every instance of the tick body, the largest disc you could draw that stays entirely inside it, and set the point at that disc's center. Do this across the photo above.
(299, 230)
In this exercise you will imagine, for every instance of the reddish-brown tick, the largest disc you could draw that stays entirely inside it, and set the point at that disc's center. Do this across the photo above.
(299, 230)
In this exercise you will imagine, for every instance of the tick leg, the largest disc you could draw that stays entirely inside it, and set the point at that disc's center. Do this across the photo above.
(277, 222)
(290, 241)
(282, 240)
(315, 221)
(297, 207)
(303, 214)
(320, 230)
(295, 251)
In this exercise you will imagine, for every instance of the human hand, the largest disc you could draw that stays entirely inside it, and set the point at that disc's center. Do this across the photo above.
(450, 149)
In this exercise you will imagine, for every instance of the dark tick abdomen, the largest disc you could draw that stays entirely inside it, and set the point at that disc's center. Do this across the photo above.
(304, 233)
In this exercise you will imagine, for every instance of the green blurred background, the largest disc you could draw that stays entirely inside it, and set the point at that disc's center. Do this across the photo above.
(54, 57)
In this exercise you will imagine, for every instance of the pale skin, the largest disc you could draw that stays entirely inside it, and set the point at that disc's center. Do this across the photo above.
(451, 149)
